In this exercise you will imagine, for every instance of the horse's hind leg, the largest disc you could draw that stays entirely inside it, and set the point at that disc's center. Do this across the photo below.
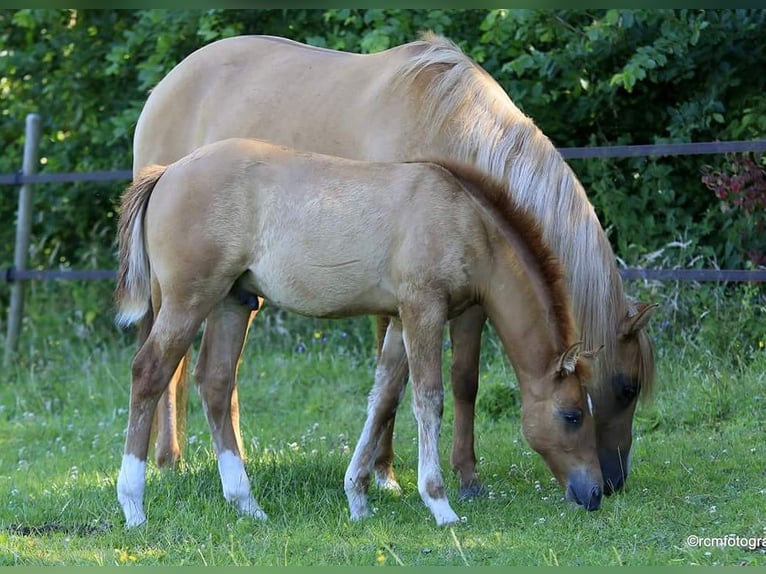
(383, 401)
(216, 373)
(465, 332)
(171, 335)
(170, 418)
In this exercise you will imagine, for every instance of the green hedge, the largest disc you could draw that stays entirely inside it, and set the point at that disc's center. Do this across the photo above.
(592, 77)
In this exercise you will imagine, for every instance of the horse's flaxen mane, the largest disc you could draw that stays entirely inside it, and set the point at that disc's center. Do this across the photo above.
(484, 127)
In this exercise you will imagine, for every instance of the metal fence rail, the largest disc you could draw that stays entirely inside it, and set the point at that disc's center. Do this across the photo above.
(10, 274)
(28, 177)
(605, 152)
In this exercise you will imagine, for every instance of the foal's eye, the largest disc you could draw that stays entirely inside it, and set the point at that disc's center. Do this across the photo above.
(572, 417)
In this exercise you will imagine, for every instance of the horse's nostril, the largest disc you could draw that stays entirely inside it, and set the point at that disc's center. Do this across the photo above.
(594, 499)
(595, 493)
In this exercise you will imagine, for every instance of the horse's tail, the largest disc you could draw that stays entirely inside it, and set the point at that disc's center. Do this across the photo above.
(133, 290)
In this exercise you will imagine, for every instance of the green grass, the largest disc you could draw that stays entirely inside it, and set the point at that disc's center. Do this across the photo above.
(697, 461)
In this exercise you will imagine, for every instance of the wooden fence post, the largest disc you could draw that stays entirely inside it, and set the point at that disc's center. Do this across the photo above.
(23, 226)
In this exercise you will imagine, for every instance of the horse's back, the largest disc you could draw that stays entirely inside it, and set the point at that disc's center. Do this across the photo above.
(226, 89)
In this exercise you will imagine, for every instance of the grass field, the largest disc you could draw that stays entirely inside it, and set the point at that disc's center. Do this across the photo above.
(698, 457)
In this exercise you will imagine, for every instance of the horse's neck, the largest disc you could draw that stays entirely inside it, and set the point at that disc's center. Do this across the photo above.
(504, 143)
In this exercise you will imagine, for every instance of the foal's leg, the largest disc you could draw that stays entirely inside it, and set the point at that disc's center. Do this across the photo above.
(216, 373)
(423, 328)
(465, 332)
(171, 335)
(384, 461)
(170, 415)
(381, 407)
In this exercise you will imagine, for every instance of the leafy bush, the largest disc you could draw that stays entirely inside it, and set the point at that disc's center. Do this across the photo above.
(741, 189)
(587, 77)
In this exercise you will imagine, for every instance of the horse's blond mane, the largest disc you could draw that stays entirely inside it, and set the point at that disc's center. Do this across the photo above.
(486, 129)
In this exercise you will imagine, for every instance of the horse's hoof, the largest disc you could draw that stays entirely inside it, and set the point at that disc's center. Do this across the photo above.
(473, 490)
(389, 485)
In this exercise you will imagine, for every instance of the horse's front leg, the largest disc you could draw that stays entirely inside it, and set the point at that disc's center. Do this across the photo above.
(465, 333)
(216, 374)
(423, 326)
(383, 401)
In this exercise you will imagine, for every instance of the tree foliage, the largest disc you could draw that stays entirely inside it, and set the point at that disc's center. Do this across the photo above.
(587, 77)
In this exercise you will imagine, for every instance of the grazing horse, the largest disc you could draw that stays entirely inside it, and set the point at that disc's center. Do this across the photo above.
(422, 100)
(242, 219)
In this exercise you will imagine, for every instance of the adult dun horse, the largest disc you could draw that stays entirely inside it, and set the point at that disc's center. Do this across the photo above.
(422, 100)
(206, 237)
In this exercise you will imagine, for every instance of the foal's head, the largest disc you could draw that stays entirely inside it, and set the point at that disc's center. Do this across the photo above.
(557, 423)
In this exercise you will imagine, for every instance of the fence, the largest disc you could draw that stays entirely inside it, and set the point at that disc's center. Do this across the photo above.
(28, 176)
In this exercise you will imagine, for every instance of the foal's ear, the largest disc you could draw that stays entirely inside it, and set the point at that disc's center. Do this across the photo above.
(632, 324)
(591, 354)
(568, 360)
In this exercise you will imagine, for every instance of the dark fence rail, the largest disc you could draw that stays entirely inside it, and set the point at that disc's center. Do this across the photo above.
(700, 275)
(28, 177)
(605, 152)
(20, 179)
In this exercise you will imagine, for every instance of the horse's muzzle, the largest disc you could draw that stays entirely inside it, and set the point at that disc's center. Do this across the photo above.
(584, 491)
(614, 469)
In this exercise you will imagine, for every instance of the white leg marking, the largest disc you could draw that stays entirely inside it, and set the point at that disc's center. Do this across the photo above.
(356, 480)
(130, 490)
(236, 485)
(356, 494)
(429, 472)
(439, 507)
(442, 511)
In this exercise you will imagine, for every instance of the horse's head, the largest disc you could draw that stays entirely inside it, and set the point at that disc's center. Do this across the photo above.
(558, 424)
(615, 396)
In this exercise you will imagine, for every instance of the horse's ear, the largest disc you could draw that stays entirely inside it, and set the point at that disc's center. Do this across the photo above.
(568, 360)
(632, 324)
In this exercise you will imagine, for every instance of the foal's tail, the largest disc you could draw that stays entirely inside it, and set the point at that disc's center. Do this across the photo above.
(133, 290)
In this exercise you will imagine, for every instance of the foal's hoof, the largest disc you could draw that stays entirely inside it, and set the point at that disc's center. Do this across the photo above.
(259, 515)
(360, 514)
(134, 520)
(445, 517)
(249, 507)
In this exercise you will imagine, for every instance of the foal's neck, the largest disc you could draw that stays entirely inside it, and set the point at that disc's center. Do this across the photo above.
(518, 305)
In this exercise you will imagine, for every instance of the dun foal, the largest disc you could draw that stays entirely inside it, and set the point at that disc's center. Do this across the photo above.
(204, 238)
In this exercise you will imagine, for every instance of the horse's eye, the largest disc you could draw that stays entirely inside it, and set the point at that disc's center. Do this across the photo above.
(572, 417)
(629, 391)
(625, 389)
